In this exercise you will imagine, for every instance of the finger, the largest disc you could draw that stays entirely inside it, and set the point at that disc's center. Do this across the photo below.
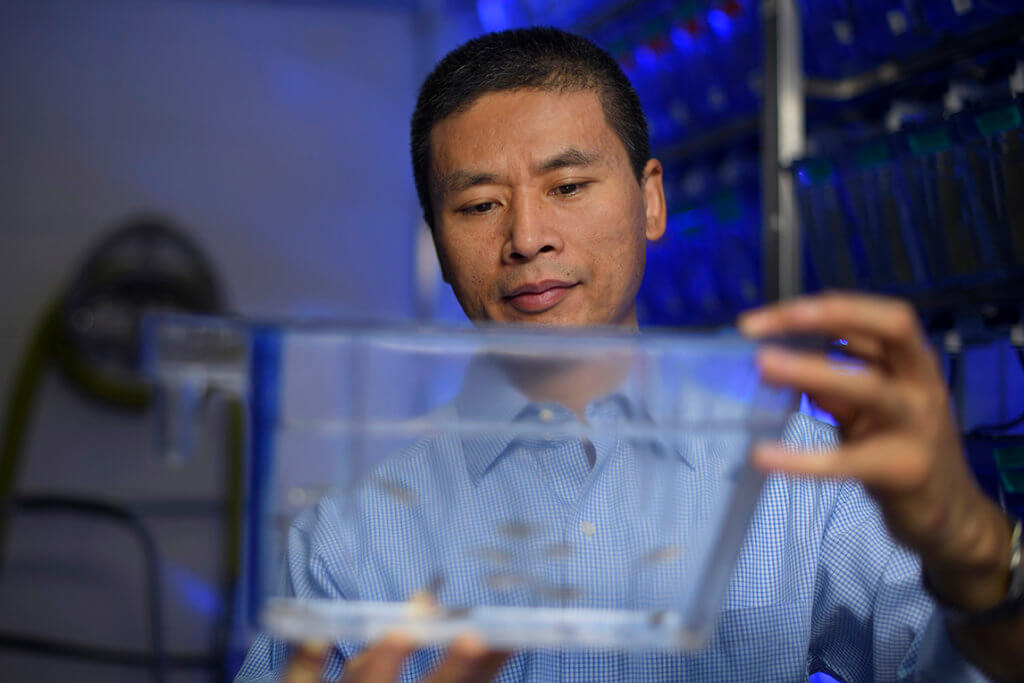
(465, 661)
(891, 321)
(492, 663)
(810, 313)
(842, 411)
(867, 349)
(871, 462)
(829, 383)
(305, 663)
(382, 661)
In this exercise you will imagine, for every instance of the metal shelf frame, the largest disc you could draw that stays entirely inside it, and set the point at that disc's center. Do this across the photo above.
(783, 138)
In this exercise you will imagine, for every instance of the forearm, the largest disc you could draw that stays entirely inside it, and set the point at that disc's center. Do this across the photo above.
(971, 572)
(976, 580)
(996, 646)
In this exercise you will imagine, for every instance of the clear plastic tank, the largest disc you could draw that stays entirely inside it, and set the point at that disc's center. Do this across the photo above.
(541, 488)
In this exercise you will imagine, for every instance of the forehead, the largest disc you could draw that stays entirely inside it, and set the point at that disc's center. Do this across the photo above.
(505, 130)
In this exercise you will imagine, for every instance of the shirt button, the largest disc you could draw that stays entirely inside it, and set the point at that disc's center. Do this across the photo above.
(546, 415)
(588, 528)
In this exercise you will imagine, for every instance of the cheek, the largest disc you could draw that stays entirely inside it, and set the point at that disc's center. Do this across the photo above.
(467, 269)
(617, 246)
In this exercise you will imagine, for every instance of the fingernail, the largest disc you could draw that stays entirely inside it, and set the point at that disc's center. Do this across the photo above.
(469, 645)
(398, 640)
(310, 654)
(753, 322)
(766, 455)
(773, 358)
(316, 646)
(806, 309)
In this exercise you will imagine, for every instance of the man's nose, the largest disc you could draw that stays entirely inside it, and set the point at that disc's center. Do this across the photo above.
(531, 232)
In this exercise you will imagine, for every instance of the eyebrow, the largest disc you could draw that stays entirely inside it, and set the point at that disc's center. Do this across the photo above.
(457, 181)
(566, 158)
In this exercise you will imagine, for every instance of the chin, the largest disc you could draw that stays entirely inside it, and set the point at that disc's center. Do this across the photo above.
(556, 318)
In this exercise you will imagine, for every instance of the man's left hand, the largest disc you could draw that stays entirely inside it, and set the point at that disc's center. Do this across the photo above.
(898, 435)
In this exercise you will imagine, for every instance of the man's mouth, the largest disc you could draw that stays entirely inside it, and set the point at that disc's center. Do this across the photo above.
(537, 297)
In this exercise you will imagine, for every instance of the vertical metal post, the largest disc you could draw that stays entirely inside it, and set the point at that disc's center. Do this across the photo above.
(782, 141)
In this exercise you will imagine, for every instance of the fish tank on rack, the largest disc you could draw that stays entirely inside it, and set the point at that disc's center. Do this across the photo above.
(569, 488)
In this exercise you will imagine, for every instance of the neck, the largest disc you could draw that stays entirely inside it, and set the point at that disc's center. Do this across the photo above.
(572, 383)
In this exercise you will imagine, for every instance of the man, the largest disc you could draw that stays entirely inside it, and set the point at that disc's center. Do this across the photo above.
(531, 160)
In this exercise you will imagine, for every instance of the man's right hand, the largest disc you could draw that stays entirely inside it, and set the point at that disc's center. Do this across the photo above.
(467, 660)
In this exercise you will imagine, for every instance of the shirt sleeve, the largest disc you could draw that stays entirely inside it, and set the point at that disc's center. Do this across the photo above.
(873, 620)
(315, 569)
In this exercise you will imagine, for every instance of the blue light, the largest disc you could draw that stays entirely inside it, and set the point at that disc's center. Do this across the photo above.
(807, 407)
(720, 22)
(199, 595)
(492, 15)
(645, 57)
(681, 39)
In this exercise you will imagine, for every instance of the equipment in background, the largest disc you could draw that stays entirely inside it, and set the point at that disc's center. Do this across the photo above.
(910, 121)
(91, 333)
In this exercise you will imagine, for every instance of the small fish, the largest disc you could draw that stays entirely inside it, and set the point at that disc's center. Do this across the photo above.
(516, 529)
(435, 583)
(562, 592)
(502, 582)
(398, 491)
(458, 612)
(493, 555)
(424, 602)
(558, 551)
(660, 555)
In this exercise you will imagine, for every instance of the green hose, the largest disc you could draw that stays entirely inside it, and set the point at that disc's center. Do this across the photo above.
(20, 400)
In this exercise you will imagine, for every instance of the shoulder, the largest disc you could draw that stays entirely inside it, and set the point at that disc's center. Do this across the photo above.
(805, 432)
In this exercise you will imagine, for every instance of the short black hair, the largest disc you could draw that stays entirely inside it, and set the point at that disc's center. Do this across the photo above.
(539, 58)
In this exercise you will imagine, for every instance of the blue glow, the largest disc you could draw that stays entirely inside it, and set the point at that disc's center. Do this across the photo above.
(645, 57)
(197, 594)
(844, 342)
(720, 22)
(681, 39)
(810, 409)
(492, 15)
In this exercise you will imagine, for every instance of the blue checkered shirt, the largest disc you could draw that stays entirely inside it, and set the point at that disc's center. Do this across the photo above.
(819, 584)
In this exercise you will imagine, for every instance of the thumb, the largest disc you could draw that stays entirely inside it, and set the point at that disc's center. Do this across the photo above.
(306, 662)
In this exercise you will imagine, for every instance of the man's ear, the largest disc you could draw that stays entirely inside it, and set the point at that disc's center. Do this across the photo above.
(654, 200)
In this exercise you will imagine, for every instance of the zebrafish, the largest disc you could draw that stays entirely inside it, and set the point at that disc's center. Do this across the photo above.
(502, 581)
(398, 491)
(558, 551)
(561, 592)
(493, 555)
(660, 555)
(516, 529)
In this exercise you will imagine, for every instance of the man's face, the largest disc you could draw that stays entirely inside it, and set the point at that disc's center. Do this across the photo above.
(538, 215)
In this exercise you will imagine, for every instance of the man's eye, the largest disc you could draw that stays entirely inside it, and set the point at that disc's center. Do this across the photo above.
(568, 189)
(482, 207)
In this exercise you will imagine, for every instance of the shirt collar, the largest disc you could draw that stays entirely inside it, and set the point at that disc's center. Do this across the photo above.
(487, 398)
